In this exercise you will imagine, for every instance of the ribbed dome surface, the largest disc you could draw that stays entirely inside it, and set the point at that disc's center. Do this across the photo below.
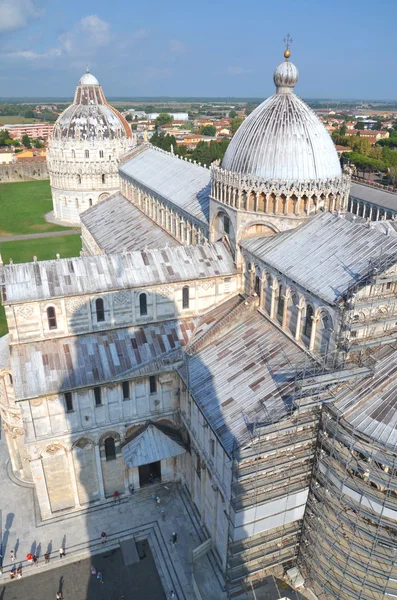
(90, 117)
(283, 139)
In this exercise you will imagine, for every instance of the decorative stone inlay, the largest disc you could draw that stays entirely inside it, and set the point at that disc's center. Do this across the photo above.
(18, 431)
(25, 311)
(206, 285)
(52, 398)
(53, 448)
(121, 298)
(110, 386)
(36, 402)
(75, 304)
(165, 291)
(83, 392)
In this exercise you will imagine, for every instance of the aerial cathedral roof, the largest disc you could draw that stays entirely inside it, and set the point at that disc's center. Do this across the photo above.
(90, 117)
(283, 139)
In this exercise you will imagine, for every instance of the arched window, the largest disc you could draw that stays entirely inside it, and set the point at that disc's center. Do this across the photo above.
(100, 153)
(100, 310)
(90, 202)
(73, 154)
(185, 296)
(143, 304)
(226, 224)
(280, 303)
(79, 179)
(87, 154)
(103, 178)
(51, 318)
(309, 322)
(110, 449)
(257, 287)
(77, 202)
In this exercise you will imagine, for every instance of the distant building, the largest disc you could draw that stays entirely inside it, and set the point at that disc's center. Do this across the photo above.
(7, 156)
(371, 135)
(33, 130)
(175, 116)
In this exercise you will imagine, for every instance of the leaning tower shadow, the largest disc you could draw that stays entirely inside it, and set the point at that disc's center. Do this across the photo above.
(107, 359)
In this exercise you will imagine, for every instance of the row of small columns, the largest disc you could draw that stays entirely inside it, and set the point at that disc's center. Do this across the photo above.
(181, 228)
(240, 199)
(286, 298)
(375, 213)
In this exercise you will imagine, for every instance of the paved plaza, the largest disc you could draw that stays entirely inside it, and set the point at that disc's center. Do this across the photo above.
(135, 517)
(76, 582)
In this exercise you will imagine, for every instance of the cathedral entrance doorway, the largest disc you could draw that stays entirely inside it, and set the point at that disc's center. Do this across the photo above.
(150, 473)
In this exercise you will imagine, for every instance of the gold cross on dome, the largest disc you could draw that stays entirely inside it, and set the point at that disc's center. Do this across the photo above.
(287, 41)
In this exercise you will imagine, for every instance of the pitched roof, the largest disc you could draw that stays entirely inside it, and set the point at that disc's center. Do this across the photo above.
(243, 376)
(149, 446)
(374, 195)
(184, 184)
(326, 255)
(53, 366)
(371, 405)
(117, 225)
(93, 274)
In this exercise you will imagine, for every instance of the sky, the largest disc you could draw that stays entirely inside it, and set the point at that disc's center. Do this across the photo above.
(344, 49)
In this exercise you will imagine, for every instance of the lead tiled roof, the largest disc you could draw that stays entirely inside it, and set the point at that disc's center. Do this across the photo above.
(53, 366)
(117, 225)
(244, 376)
(184, 184)
(92, 274)
(327, 255)
(371, 406)
(374, 196)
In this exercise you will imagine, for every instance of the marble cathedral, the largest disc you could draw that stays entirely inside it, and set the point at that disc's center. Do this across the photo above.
(232, 329)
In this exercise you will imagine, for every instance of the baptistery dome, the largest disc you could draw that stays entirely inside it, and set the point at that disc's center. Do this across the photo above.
(87, 141)
(283, 139)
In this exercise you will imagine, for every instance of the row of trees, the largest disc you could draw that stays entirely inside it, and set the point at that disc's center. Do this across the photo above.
(381, 157)
(6, 140)
(204, 153)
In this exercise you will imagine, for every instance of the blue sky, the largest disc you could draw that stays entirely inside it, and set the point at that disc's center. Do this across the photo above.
(343, 49)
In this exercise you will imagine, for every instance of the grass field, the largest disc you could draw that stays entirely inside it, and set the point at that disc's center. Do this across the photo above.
(23, 206)
(13, 119)
(44, 249)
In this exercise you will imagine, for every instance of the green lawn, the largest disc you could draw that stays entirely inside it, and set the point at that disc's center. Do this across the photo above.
(44, 249)
(16, 119)
(23, 206)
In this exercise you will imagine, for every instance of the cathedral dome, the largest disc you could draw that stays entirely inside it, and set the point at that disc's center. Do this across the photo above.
(90, 117)
(283, 139)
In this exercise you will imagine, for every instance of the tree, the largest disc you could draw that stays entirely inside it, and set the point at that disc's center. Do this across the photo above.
(26, 141)
(128, 118)
(4, 137)
(343, 130)
(37, 143)
(232, 114)
(359, 125)
(393, 175)
(163, 119)
(235, 124)
(208, 130)
(29, 114)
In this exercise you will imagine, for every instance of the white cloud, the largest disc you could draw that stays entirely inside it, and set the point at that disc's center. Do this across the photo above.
(89, 34)
(16, 14)
(176, 47)
(236, 70)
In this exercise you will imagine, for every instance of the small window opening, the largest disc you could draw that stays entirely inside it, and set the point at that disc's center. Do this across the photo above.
(226, 224)
(90, 202)
(52, 320)
(185, 296)
(98, 396)
(100, 153)
(143, 304)
(87, 154)
(110, 449)
(103, 178)
(69, 402)
(100, 310)
(212, 447)
(126, 390)
(153, 384)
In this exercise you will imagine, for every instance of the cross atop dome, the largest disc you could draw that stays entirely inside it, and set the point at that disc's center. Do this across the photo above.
(287, 41)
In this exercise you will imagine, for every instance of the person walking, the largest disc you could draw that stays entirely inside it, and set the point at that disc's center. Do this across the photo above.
(29, 558)
(99, 577)
(158, 501)
(171, 594)
(116, 496)
(12, 555)
(163, 514)
(19, 573)
(104, 537)
(46, 557)
(59, 596)
(35, 560)
(62, 552)
(174, 538)
(93, 570)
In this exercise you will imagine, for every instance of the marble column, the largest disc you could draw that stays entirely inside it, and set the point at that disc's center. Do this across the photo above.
(99, 473)
(298, 323)
(73, 479)
(36, 467)
(313, 333)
